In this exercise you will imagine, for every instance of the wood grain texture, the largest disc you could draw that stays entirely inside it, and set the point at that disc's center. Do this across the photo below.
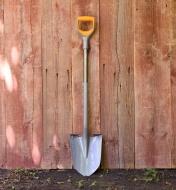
(80, 8)
(2, 93)
(173, 79)
(125, 53)
(49, 86)
(13, 84)
(36, 38)
(23, 83)
(63, 75)
(152, 84)
(109, 70)
(56, 58)
(27, 80)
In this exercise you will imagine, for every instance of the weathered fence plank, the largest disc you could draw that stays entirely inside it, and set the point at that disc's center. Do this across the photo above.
(80, 8)
(152, 84)
(109, 70)
(173, 80)
(27, 79)
(62, 60)
(2, 93)
(13, 83)
(49, 86)
(56, 52)
(14, 115)
(36, 39)
(125, 72)
(23, 83)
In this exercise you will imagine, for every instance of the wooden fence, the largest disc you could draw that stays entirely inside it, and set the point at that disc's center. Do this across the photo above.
(132, 77)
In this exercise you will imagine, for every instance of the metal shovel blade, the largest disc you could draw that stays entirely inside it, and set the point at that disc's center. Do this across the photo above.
(86, 163)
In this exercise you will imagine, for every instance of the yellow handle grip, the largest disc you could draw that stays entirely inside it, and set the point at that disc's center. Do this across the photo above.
(84, 19)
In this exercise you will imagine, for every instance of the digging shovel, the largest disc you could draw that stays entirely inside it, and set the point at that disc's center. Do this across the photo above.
(85, 149)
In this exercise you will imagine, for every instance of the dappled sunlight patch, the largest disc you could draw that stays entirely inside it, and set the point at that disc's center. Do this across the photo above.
(1, 27)
(60, 166)
(10, 135)
(15, 55)
(55, 142)
(6, 75)
(15, 84)
(1, 69)
(36, 154)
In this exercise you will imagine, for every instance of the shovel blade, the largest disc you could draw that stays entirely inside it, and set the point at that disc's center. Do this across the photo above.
(86, 165)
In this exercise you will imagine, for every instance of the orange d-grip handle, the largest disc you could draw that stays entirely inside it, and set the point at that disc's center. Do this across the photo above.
(84, 19)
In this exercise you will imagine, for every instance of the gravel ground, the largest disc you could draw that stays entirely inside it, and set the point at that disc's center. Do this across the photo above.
(21, 179)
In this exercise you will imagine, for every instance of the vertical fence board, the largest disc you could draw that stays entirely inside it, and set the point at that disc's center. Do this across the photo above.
(14, 115)
(80, 8)
(13, 83)
(109, 70)
(27, 81)
(22, 54)
(173, 81)
(125, 53)
(2, 97)
(37, 135)
(30, 56)
(152, 84)
(62, 60)
(49, 86)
